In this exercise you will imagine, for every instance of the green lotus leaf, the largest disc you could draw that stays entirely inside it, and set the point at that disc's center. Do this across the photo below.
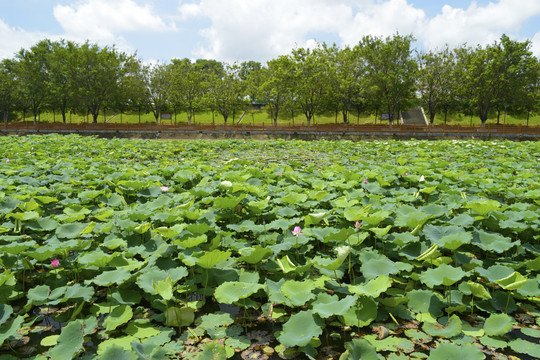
(447, 351)
(70, 341)
(117, 352)
(449, 237)
(73, 230)
(108, 278)
(451, 329)
(483, 207)
(78, 292)
(425, 301)
(191, 241)
(494, 342)
(495, 272)
(212, 351)
(531, 332)
(315, 219)
(402, 239)
(298, 292)
(96, 258)
(462, 220)
(43, 224)
(42, 294)
(254, 255)
(363, 314)
(498, 324)
(228, 202)
(512, 282)
(391, 343)
(408, 216)
(300, 329)
(219, 319)
(124, 342)
(356, 213)
(359, 349)
(212, 258)
(443, 275)
(525, 347)
(294, 198)
(328, 305)
(373, 288)
(16, 248)
(142, 328)
(333, 264)
(530, 288)
(478, 290)
(120, 315)
(375, 267)
(5, 312)
(175, 316)
(232, 291)
(164, 288)
(153, 275)
(377, 217)
(10, 329)
(492, 241)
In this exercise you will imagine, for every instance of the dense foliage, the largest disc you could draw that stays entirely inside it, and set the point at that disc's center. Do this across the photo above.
(132, 249)
(378, 75)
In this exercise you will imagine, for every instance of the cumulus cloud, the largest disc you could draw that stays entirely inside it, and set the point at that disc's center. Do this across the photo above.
(105, 20)
(478, 24)
(15, 39)
(263, 29)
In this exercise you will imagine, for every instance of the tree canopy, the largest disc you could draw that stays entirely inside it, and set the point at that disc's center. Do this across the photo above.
(378, 75)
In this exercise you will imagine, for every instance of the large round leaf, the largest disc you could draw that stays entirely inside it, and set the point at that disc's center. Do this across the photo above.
(230, 292)
(443, 275)
(300, 329)
(447, 351)
(69, 342)
(498, 324)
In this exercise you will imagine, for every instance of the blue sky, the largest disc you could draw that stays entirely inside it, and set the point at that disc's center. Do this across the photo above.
(237, 30)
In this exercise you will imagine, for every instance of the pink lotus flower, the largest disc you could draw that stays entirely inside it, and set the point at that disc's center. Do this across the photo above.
(297, 231)
(280, 174)
(405, 174)
(365, 181)
(7, 160)
(164, 188)
(357, 224)
(55, 263)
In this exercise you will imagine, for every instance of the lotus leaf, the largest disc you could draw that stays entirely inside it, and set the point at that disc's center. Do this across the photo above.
(452, 328)
(328, 305)
(73, 230)
(375, 267)
(483, 207)
(512, 282)
(70, 341)
(255, 254)
(425, 301)
(498, 324)
(5, 312)
(391, 343)
(300, 329)
(363, 314)
(488, 241)
(10, 329)
(359, 349)
(230, 292)
(408, 216)
(443, 275)
(108, 278)
(212, 258)
(495, 272)
(374, 288)
(525, 347)
(212, 351)
(447, 351)
(298, 293)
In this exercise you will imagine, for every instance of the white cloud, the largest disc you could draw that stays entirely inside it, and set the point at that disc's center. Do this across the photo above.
(104, 20)
(15, 39)
(263, 29)
(478, 24)
(535, 45)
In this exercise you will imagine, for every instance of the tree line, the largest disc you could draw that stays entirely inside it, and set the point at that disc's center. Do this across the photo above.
(378, 75)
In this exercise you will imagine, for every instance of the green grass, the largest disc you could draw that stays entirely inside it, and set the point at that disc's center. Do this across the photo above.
(260, 117)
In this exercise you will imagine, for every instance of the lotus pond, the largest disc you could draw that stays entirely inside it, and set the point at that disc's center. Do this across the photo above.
(140, 249)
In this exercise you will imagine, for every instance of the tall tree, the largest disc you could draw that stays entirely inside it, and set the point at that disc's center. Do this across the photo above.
(33, 75)
(157, 81)
(228, 92)
(310, 83)
(8, 88)
(61, 60)
(99, 74)
(189, 84)
(276, 89)
(435, 80)
(391, 71)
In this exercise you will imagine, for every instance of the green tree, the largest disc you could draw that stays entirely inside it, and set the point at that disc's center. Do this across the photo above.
(227, 92)
(310, 80)
(32, 69)
(8, 88)
(276, 89)
(346, 78)
(188, 85)
(157, 81)
(99, 76)
(435, 80)
(61, 61)
(390, 72)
